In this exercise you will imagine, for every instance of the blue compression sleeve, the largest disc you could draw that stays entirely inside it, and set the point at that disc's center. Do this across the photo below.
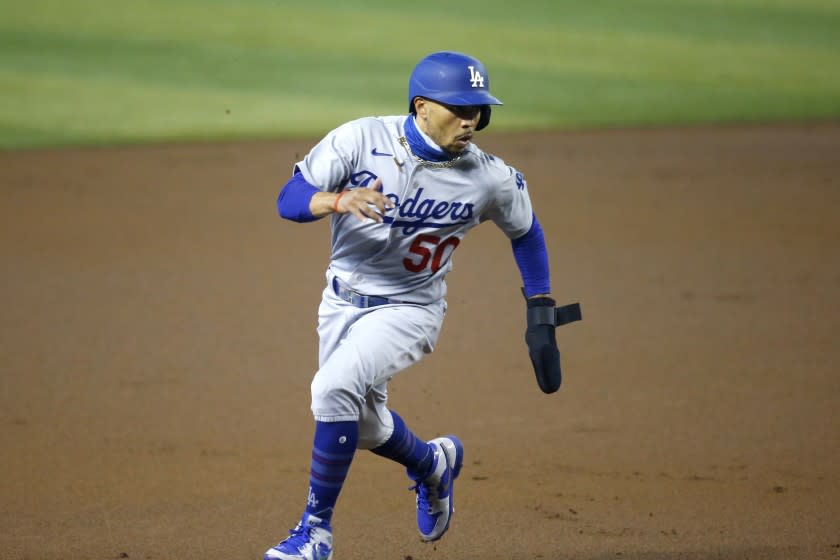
(293, 202)
(532, 259)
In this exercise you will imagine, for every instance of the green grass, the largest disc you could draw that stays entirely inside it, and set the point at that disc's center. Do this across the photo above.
(99, 71)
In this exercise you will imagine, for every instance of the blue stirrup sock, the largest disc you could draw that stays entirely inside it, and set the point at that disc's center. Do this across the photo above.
(332, 453)
(407, 449)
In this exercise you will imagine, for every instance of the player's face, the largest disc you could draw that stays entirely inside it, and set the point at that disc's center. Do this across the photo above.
(451, 127)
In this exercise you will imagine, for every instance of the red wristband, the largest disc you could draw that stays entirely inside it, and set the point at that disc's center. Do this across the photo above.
(335, 202)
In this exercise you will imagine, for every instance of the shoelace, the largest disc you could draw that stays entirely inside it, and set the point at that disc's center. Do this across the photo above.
(423, 492)
(297, 537)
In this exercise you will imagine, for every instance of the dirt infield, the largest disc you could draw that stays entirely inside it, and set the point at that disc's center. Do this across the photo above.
(157, 339)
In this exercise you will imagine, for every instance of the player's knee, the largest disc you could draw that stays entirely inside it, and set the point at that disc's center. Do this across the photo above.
(333, 398)
(373, 432)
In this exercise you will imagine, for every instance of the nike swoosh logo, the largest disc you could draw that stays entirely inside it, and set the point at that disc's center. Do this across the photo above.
(373, 152)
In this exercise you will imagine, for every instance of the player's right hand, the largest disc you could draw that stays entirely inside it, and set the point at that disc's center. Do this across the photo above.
(363, 202)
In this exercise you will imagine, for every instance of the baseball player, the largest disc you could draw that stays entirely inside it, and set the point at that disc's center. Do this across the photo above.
(402, 192)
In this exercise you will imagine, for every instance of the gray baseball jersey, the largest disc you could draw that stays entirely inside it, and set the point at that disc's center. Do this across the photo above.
(435, 204)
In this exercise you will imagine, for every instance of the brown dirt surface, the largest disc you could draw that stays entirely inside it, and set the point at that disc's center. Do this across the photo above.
(157, 340)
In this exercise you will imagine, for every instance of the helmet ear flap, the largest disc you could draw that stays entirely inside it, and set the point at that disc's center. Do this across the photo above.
(484, 119)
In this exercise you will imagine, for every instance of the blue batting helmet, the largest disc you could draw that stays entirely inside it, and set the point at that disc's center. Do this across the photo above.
(452, 78)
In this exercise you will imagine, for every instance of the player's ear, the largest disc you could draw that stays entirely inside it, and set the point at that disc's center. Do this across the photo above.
(420, 107)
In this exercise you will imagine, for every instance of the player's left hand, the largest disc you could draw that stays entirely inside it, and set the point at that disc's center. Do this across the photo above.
(542, 320)
(364, 202)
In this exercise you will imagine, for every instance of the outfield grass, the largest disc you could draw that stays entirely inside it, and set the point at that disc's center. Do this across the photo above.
(99, 71)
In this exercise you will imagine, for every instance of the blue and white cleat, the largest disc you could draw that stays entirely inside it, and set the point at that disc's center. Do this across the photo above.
(310, 540)
(434, 493)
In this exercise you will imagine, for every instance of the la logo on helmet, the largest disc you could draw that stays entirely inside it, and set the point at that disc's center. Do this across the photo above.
(476, 79)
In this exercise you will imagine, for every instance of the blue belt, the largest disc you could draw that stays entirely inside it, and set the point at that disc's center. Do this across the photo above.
(360, 300)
